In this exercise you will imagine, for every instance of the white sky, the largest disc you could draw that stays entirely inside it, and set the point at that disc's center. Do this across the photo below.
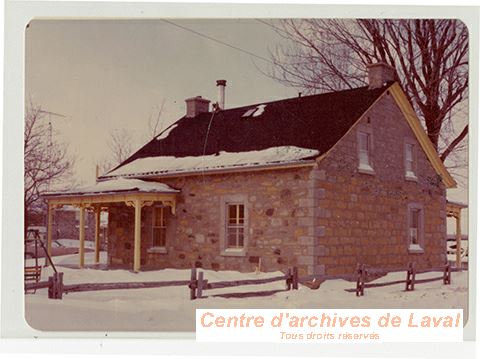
(103, 75)
(114, 74)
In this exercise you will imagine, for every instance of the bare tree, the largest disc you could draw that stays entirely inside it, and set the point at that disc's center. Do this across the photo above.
(430, 58)
(155, 124)
(120, 143)
(46, 160)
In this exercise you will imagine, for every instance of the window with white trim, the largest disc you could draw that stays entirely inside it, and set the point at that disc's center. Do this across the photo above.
(235, 226)
(159, 228)
(365, 151)
(415, 228)
(410, 161)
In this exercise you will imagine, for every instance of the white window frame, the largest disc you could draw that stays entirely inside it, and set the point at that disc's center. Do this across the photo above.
(410, 175)
(419, 246)
(225, 202)
(154, 248)
(238, 226)
(366, 168)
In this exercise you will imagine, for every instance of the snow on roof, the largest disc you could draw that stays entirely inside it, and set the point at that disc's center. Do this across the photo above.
(457, 204)
(222, 160)
(255, 111)
(167, 131)
(118, 185)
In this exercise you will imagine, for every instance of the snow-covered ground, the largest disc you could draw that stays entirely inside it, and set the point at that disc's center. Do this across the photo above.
(170, 309)
(72, 243)
(452, 251)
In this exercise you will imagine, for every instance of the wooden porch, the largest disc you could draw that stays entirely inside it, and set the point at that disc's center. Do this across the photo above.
(97, 198)
(454, 209)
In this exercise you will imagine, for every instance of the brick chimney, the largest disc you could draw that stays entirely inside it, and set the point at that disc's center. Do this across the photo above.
(196, 105)
(379, 74)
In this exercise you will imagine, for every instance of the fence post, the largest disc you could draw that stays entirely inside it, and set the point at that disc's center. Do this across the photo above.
(407, 281)
(193, 283)
(360, 280)
(414, 272)
(364, 274)
(410, 282)
(289, 279)
(200, 285)
(50, 288)
(55, 286)
(59, 285)
(447, 274)
(295, 278)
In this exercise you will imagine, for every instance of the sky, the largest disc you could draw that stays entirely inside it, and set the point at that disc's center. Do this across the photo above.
(103, 75)
(106, 75)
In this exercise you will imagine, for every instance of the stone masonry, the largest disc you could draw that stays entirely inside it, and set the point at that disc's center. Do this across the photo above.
(324, 219)
(279, 228)
(364, 216)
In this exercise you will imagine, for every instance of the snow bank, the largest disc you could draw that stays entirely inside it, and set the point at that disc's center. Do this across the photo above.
(223, 160)
(169, 309)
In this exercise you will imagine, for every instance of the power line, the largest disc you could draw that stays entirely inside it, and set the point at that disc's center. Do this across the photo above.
(219, 41)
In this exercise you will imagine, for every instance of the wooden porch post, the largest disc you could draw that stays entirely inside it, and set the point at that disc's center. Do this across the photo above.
(49, 231)
(458, 235)
(82, 236)
(137, 238)
(97, 233)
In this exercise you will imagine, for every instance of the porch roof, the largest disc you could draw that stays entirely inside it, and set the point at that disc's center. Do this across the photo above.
(133, 192)
(115, 186)
(115, 190)
(454, 208)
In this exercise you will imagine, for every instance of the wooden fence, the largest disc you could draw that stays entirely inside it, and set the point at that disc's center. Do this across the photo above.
(410, 281)
(196, 284)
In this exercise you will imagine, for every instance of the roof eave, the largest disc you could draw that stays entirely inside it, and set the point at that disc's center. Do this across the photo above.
(110, 193)
(276, 166)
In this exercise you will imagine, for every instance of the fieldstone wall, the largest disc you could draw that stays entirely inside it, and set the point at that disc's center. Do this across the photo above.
(324, 219)
(279, 229)
(364, 216)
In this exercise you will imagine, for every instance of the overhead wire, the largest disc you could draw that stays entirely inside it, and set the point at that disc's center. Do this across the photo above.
(221, 42)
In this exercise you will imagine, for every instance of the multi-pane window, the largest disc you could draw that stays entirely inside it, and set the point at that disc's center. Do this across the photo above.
(414, 226)
(409, 160)
(159, 227)
(364, 150)
(235, 225)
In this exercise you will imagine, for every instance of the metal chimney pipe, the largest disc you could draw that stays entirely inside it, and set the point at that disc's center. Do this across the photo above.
(221, 93)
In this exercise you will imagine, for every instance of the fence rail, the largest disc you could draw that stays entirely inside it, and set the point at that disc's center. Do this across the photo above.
(410, 281)
(85, 287)
(196, 284)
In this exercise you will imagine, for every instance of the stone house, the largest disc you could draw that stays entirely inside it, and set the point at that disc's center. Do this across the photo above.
(320, 182)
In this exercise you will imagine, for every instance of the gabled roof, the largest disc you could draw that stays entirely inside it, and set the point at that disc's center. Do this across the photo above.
(291, 131)
(313, 124)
